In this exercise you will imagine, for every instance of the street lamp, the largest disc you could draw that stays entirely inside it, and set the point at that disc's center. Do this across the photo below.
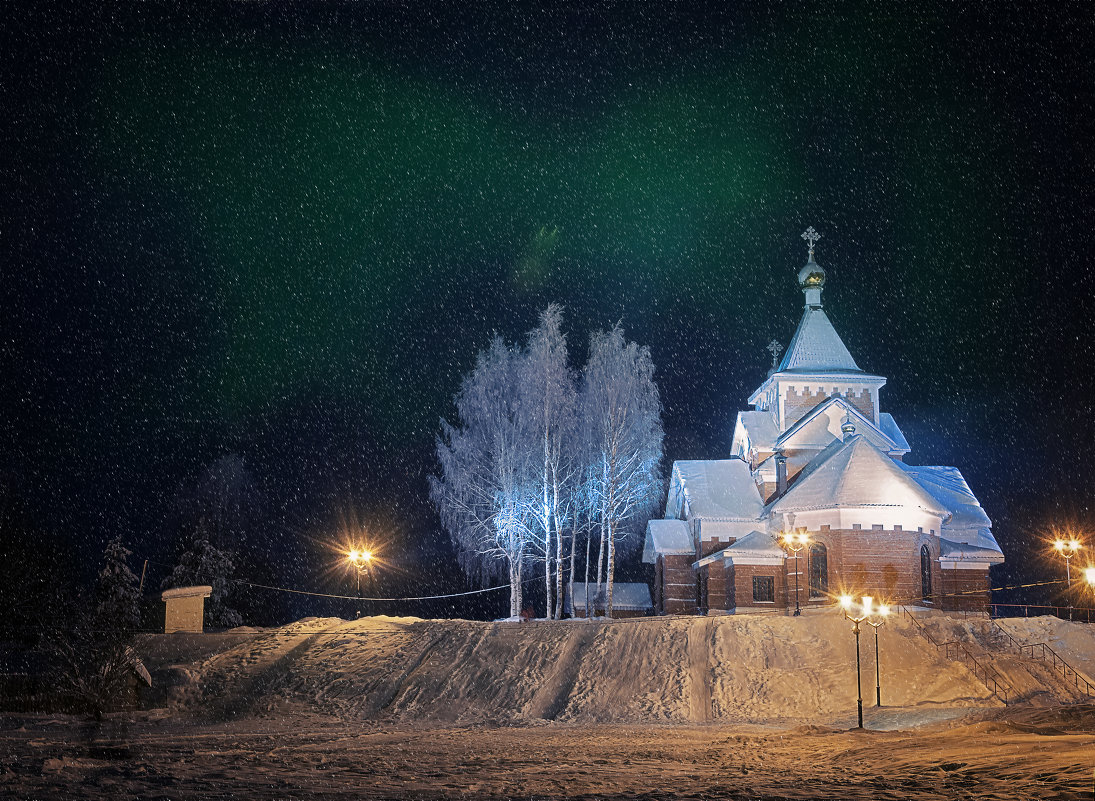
(795, 542)
(1067, 549)
(883, 613)
(360, 559)
(867, 611)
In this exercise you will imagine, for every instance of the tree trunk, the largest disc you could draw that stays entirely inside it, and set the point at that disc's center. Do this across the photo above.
(547, 571)
(520, 586)
(548, 514)
(558, 552)
(573, 550)
(600, 568)
(611, 568)
(514, 591)
(589, 539)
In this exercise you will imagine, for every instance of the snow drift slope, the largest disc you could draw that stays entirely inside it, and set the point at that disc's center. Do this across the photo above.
(672, 669)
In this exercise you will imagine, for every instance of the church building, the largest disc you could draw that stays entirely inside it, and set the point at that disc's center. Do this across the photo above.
(818, 457)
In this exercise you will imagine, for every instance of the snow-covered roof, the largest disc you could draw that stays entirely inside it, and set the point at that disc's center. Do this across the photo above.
(968, 526)
(760, 427)
(721, 489)
(760, 544)
(863, 424)
(854, 473)
(626, 596)
(667, 537)
(983, 549)
(199, 591)
(817, 347)
(888, 426)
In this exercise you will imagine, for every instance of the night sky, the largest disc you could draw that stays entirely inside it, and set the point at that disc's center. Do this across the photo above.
(284, 231)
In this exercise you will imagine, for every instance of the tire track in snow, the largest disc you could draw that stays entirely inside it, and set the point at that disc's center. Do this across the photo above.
(400, 684)
(700, 634)
(552, 696)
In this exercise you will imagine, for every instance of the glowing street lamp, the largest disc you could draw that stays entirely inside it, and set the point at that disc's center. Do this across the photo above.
(795, 542)
(360, 559)
(867, 611)
(1067, 549)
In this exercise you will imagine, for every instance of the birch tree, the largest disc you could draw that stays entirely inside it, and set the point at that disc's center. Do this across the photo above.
(482, 493)
(548, 396)
(620, 404)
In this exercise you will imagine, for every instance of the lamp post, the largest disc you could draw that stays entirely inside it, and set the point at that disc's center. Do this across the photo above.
(1067, 549)
(1089, 577)
(866, 611)
(360, 560)
(795, 542)
(883, 613)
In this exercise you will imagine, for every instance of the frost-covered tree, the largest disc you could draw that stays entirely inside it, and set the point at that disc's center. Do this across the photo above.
(117, 598)
(90, 648)
(200, 563)
(547, 398)
(483, 494)
(620, 404)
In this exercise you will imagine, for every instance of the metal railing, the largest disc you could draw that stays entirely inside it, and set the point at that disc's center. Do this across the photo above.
(1079, 614)
(957, 651)
(1045, 653)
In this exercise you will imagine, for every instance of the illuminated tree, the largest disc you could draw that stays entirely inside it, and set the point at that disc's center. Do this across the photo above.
(483, 494)
(547, 406)
(621, 407)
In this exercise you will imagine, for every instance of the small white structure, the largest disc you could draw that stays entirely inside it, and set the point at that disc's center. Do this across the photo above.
(628, 599)
(185, 609)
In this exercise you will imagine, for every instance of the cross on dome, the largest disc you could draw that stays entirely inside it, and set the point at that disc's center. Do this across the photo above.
(811, 236)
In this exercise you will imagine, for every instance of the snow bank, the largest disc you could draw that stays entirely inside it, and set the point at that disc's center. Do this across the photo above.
(747, 669)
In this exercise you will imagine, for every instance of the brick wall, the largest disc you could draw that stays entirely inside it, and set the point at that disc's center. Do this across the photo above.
(741, 578)
(717, 598)
(678, 585)
(800, 400)
(965, 589)
(882, 563)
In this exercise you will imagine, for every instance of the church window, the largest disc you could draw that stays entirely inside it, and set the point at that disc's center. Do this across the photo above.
(925, 573)
(764, 589)
(819, 571)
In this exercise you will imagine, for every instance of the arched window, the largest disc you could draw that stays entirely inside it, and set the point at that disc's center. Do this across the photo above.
(819, 571)
(925, 573)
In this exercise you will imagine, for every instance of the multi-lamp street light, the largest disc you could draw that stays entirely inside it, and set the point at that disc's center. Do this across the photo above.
(874, 616)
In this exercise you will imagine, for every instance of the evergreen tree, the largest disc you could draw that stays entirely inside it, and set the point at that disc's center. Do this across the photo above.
(117, 599)
(203, 563)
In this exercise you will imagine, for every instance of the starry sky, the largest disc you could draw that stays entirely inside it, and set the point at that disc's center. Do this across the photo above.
(283, 231)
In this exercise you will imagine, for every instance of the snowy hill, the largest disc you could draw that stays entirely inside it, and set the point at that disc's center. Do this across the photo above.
(746, 669)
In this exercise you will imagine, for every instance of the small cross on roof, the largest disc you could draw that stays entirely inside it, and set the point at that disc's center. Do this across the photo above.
(811, 236)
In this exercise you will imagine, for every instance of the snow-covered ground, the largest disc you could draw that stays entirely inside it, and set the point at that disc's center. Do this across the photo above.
(769, 670)
(730, 707)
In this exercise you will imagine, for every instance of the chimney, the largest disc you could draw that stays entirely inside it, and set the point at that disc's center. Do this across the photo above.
(781, 473)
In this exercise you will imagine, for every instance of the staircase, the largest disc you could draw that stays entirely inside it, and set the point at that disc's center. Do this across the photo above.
(1013, 671)
(958, 651)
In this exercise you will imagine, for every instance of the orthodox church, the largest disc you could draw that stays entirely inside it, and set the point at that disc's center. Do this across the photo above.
(818, 457)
